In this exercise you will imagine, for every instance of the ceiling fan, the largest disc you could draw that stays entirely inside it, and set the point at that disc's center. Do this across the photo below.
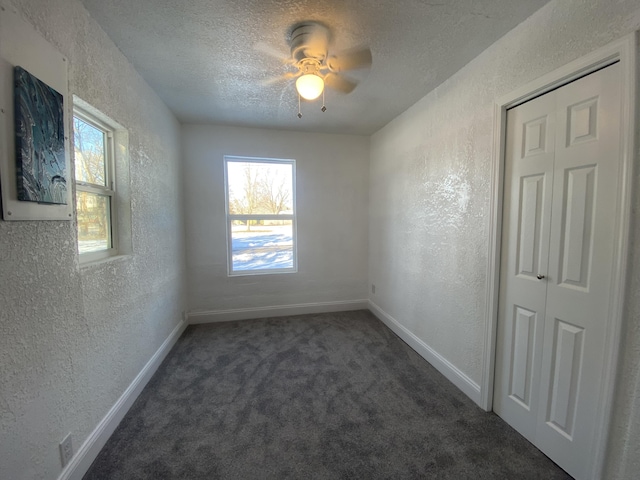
(315, 66)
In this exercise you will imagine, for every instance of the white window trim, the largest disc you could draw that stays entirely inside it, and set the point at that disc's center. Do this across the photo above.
(231, 217)
(109, 190)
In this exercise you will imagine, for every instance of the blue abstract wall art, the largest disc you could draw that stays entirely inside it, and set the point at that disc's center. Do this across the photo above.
(39, 124)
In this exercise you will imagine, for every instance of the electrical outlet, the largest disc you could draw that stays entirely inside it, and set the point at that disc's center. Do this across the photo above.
(373, 289)
(66, 450)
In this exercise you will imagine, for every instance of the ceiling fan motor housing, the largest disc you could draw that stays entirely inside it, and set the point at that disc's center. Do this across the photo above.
(309, 40)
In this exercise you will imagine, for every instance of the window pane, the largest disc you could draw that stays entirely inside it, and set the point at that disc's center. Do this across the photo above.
(94, 228)
(261, 244)
(89, 153)
(260, 188)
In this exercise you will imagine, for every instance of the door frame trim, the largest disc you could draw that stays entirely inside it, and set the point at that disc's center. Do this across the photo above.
(624, 52)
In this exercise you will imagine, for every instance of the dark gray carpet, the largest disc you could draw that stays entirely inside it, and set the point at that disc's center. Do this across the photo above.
(309, 397)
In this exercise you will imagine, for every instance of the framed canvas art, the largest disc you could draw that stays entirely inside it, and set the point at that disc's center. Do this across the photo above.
(41, 171)
(36, 179)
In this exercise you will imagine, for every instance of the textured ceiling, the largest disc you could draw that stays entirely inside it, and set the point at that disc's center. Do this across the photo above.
(200, 55)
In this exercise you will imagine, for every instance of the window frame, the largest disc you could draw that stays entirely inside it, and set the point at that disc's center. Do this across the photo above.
(109, 190)
(230, 218)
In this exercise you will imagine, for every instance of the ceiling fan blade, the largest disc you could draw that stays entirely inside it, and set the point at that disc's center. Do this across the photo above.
(281, 78)
(339, 83)
(350, 60)
(272, 52)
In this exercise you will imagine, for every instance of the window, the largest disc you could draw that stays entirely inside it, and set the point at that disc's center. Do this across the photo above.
(95, 186)
(261, 218)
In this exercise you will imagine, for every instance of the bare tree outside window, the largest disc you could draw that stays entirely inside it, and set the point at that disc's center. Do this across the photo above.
(277, 193)
(93, 206)
(259, 188)
(89, 153)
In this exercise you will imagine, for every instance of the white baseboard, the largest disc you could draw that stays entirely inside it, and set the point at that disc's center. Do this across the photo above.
(214, 316)
(450, 371)
(91, 447)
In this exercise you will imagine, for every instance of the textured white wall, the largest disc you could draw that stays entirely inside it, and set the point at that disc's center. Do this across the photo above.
(72, 339)
(332, 188)
(429, 200)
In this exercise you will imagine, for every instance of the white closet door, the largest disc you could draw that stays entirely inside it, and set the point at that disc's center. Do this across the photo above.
(580, 267)
(552, 330)
(525, 245)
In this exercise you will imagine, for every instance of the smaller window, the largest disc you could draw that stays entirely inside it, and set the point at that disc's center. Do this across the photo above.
(261, 215)
(95, 186)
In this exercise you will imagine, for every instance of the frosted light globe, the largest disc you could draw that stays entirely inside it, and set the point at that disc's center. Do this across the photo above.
(310, 86)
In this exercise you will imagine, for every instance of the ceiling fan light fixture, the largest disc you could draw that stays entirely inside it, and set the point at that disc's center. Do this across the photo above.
(310, 86)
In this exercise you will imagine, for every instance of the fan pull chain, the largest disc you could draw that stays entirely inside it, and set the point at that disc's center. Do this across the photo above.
(299, 113)
(324, 109)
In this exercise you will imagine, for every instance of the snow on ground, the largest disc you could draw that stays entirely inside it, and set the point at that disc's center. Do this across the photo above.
(85, 246)
(263, 248)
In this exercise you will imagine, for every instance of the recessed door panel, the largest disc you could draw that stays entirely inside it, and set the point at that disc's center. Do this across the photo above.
(530, 229)
(523, 340)
(583, 122)
(576, 234)
(566, 365)
(534, 137)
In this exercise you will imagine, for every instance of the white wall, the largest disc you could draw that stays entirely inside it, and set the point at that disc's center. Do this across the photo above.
(72, 339)
(332, 188)
(429, 200)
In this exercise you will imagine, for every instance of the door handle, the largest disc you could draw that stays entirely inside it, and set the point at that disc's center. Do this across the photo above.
(539, 277)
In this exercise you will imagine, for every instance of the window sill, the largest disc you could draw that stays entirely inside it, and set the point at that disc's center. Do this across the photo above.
(89, 264)
(248, 273)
